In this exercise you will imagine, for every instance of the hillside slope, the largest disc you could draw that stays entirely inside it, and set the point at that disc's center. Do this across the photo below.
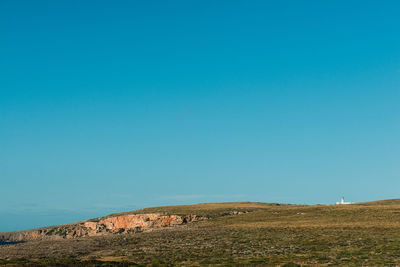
(134, 221)
(234, 233)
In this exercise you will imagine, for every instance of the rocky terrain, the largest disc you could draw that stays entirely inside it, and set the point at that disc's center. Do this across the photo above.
(220, 234)
(123, 224)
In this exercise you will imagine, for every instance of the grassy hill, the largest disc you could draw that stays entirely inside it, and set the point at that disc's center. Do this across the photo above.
(381, 202)
(204, 209)
(240, 233)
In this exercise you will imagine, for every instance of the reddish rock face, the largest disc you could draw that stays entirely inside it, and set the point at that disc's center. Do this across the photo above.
(132, 222)
(112, 225)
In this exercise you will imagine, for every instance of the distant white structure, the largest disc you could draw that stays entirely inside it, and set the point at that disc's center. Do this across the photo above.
(342, 202)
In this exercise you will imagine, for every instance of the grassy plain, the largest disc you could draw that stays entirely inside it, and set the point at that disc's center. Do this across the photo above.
(364, 234)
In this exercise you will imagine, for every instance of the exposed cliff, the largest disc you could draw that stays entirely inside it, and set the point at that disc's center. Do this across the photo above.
(108, 225)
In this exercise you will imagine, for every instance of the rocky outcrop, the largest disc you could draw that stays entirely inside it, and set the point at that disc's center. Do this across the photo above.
(122, 224)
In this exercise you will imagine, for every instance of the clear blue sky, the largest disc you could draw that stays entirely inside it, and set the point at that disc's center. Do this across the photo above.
(109, 106)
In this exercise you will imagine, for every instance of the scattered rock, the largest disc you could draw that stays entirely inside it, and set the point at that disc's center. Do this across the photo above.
(122, 224)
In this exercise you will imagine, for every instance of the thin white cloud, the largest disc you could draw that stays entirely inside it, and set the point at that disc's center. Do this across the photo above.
(199, 196)
(182, 197)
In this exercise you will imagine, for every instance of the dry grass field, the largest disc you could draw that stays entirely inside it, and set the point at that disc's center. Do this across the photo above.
(363, 234)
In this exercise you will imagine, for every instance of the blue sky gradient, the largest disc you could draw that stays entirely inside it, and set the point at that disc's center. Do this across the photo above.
(107, 106)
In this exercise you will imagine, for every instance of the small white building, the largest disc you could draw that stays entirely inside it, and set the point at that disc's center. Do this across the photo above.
(342, 202)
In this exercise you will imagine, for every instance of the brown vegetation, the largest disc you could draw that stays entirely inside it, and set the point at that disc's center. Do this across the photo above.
(237, 234)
